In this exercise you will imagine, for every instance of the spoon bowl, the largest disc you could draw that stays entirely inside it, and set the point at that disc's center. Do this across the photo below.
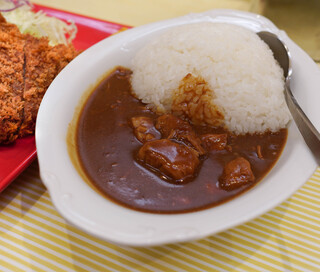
(282, 55)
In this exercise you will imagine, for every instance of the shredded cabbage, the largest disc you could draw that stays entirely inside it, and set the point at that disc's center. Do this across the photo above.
(39, 24)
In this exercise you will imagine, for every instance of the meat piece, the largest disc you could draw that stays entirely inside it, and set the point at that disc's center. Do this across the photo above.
(167, 123)
(42, 64)
(144, 129)
(236, 173)
(214, 141)
(191, 140)
(11, 81)
(173, 160)
(172, 127)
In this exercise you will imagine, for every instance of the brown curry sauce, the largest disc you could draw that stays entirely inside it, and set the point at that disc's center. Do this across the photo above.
(107, 148)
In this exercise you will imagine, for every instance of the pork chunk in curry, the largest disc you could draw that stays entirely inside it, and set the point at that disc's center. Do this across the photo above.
(172, 127)
(236, 173)
(144, 129)
(174, 160)
(214, 141)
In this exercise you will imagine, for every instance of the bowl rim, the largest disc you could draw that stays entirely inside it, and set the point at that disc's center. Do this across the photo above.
(128, 227)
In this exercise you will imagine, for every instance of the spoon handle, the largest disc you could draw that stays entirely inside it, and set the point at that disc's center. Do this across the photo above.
(307, 129)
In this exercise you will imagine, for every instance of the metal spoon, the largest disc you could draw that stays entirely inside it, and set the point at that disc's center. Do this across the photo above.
(307, 129)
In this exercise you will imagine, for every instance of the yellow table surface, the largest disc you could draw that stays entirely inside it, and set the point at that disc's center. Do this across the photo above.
(138, 12)
(34, 237)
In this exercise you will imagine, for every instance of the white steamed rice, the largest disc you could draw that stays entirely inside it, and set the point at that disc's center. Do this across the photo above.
(237, 65)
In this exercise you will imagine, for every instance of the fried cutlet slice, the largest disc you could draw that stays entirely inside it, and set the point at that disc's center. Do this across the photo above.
(39, 73)
(62, 55)
(11, 81)
(42, 64)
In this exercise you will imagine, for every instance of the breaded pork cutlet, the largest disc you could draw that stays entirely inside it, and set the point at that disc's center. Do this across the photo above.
(42, 64)
(11, 81)
(28, 65)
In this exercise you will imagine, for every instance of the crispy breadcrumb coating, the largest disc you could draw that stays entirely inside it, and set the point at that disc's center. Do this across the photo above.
(28, 65)
(11, 81)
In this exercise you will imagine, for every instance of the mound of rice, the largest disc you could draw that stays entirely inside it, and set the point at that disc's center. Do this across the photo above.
(245, 82)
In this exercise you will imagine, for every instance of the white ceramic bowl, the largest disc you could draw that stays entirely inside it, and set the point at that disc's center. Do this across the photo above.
(88, 210)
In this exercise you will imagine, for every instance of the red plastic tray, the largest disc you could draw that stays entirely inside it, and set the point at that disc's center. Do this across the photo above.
(16, 157)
